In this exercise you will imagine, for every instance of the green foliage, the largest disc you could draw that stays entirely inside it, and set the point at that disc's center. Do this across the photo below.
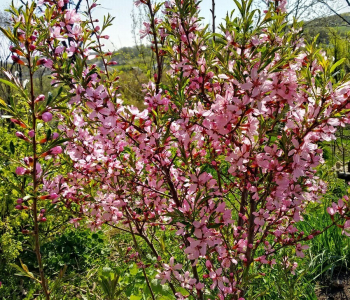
(79, 250)
(73, 258)
(329, 253)
(109, 282)
(9, 245)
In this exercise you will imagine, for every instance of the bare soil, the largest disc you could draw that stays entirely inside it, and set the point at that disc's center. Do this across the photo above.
(336, 289)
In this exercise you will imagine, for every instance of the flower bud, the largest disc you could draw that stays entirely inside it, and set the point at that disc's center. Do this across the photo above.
(31, 133)
(21, 136)
(29, 161)
(39, 98)
(20, 36)
(18, 123)
(17, 60)
(20, 207)
(51, 196)
(46, 116)
(32, 38)
(20, 201)
(41, 61)
(43, 219)
(17, 51)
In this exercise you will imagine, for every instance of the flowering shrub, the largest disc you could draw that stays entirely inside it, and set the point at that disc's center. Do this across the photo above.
(36, 154)
(223, 160)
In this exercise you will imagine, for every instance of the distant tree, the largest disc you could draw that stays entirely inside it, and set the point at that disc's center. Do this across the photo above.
(4, 53)
(4, 43)
(312, 9)
(336, 8)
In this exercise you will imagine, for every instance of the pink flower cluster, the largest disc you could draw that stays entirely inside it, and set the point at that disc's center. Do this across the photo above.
(225, 161)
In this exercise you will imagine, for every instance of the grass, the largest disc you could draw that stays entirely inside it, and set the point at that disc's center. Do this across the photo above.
(326, 259)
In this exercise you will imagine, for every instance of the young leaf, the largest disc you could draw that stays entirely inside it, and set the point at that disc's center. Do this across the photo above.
(12, 147)
(337, 64)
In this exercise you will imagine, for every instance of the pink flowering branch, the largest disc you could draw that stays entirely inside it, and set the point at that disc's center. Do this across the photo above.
(33, 167)
(223, 159)
(35, 177)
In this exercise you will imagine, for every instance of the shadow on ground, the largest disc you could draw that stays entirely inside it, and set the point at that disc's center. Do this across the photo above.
(336, 289)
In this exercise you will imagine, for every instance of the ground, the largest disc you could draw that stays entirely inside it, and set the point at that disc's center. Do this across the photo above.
(336, 289)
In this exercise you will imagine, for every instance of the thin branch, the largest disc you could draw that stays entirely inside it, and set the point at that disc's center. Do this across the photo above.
(334, 11)
(213, 16)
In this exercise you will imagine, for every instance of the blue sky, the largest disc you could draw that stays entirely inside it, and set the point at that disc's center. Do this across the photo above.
(121, 9)
(120, 33)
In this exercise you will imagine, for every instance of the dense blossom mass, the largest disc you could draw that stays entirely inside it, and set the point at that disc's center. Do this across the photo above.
(224, 155)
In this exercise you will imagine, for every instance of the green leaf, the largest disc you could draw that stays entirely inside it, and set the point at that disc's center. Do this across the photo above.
(12, 147)
(25, 268)
(13, 105)
(133, 297)
(239, 6)
(8, 34)
(2, 102)
(49, 99)
(23, 272)
(48, 134)
(183, 291)
(134, 270)
(9, 83)
(55, 143)
(337, 64)
(162, 243)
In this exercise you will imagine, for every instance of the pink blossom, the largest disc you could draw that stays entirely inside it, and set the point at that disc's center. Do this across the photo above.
(55, 150)
(299, 250)
(346, 228)
(21, 171)
(75, 222)
(147, 30)
(169, 269)
(261, 217)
